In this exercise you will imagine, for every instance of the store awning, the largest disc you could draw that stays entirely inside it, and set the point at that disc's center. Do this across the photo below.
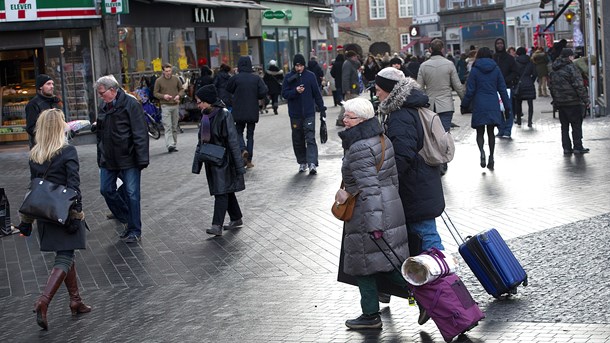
(321, 11)
(217, 3)
(422, 40)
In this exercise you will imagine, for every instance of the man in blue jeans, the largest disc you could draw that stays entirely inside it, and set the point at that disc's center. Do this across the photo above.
(122, 151)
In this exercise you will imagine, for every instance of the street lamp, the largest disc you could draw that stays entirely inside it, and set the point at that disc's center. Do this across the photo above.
(569, 14)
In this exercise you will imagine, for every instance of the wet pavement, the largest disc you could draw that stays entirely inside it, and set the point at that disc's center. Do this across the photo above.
(274, 280)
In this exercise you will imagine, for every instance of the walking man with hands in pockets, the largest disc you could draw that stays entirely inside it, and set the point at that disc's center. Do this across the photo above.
(169, 91)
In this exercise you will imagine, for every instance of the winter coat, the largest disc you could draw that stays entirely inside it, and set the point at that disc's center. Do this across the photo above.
(462, 70)
(247, 88)
(567, 86)
(413, 67)
(220, 82)
(62, 170)
(337, 70)
(378, 206)
(420, 188)
(314, 67)
(370, 70)
(122, 134)
(541, 61)
(484, 83)
(349, 75)
(438, 77)
(206, 78)
(508, 66)
(302, 105)
(228, 177)
(273, 80)
(33, 109)
(525, 89)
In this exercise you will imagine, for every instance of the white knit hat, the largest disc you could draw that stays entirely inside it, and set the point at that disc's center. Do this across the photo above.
(388, 77)
(272, 63)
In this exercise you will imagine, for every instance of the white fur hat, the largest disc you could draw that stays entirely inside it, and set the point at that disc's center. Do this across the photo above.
(272, 63)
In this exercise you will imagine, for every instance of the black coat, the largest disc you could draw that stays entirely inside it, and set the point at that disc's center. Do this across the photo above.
(247, 88)
(33, 109)
(337, 71)
(122, 134)
(567, 86)
(228, 177)
(220, 82)
(63, 170)
(273, 79)
(525, 89)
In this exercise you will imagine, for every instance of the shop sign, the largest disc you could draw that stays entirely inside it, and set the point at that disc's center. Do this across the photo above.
(279, 14)
(116, 6)
(17, 10)
(343, 11)
(204, 15)
(546, 14)
(29, 10)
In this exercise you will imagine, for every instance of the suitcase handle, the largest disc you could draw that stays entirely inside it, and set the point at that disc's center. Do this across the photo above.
(452, 229)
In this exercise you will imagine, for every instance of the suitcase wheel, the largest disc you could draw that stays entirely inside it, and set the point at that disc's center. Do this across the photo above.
(525, 281)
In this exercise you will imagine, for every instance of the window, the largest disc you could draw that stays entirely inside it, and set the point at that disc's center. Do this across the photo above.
(377, 9)
(478, 2)
(469, 3)
(404, 39)
(405, 8)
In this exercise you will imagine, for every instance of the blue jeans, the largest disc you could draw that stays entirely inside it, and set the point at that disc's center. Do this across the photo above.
(125, 210)
(304, 140)
(249, 146)
(426, 229)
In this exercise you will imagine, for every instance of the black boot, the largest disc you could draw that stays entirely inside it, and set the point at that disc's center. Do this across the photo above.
(371, 321)
(529, 119)
(40, 307)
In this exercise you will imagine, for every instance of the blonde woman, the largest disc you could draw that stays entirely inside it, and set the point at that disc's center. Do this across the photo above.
(57, 161)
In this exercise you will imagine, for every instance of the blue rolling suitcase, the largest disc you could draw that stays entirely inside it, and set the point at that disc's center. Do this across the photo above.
(490, 259)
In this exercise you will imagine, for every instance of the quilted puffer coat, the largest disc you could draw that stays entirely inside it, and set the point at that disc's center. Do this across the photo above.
(567, 85)
(378, 206)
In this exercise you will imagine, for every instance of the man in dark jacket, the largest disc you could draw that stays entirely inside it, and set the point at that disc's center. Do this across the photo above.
(43, 100)
(508, 67)
(349, 80)
(336, 71)
(247, 88)
(122, 150)
(569, 96)
(301, 90)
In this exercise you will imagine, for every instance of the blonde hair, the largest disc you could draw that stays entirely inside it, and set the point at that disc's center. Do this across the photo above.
(50, 135)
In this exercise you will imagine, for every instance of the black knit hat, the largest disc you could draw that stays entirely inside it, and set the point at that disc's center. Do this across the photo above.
(395, 60)
(299, 59)
(41, 79)
(207, 94)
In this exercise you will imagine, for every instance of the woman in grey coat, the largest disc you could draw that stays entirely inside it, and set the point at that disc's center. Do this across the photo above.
(378, 211)
(56, 161)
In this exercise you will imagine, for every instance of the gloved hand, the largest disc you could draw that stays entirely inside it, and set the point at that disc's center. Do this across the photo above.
(377, 234)
(25, 228)
(323, 116)
(93, 127)
(74, 226)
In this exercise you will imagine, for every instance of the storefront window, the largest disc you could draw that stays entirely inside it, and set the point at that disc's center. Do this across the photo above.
(284, 43)
(17, 87)
(227, 45)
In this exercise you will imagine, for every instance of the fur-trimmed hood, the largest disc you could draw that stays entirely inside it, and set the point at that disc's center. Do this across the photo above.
(406, 93)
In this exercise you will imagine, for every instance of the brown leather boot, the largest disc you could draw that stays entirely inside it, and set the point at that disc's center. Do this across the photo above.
(40, 307)
(76, 303)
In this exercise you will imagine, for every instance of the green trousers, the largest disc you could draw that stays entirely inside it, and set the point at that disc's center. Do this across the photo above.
(368, 289)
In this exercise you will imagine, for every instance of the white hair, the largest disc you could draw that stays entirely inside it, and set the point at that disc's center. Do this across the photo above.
(361, 107)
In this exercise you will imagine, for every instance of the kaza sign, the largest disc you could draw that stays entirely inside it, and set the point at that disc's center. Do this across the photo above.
(204, 15)
(20, 10)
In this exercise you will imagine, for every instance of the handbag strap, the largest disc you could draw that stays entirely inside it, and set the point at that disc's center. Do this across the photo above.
(46, 170)
(382, 138)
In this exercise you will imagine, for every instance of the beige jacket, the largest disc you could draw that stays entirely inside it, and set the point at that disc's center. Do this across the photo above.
(438, 77)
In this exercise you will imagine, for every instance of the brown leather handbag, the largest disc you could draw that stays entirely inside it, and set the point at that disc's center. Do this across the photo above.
(343, 207)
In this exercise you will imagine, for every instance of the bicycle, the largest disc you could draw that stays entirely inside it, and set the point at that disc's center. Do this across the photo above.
(154, 128)
(152, 112)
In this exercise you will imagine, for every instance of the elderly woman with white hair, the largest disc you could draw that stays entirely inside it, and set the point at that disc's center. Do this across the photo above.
(369, 170)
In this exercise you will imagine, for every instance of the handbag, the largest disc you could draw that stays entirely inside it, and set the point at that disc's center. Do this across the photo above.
(48, 201)
(343, 207)
(323, 131)
(211, 153)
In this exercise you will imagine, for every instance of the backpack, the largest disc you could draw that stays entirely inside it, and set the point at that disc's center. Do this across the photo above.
(438, 147)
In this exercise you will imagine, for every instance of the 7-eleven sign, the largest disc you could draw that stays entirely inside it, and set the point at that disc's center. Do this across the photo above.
(17, 10)
(116, 6)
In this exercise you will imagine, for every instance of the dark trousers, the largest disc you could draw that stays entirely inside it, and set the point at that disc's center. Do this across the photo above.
(518, 109)
(446, 118)
(571, 116)
(304, 140)
(368, 289)
(249, 146)
(275, 99)
(224, 203)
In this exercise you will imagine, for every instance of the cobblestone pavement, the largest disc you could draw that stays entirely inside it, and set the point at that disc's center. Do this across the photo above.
(274, 280)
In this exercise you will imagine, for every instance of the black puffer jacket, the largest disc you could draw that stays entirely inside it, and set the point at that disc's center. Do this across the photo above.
(33, 109)
(220, 82)
(567, 86)
(122, 134)
(420, 188)
(246, 88)
(526, 89)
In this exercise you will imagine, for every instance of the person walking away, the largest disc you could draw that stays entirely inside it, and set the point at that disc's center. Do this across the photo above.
(217, 127)
(168, 89)
(273, 79)
(371, 68)
(541, 62)
(349, 80)
(397, 63)
(122, 151)
(53, 159)
(247, 89)
(571, 99)
(205, 77)
(314, 67)
(301, 90)
(413, 66)
(508, 66)
(462, 69)
(43, 100)
(337, 73)
(369, 169)
(220, 82)
(438, 78)
(482, 88)
(525, 89)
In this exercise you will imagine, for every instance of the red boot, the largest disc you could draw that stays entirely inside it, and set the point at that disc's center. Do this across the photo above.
(76, 303)
(40, 307)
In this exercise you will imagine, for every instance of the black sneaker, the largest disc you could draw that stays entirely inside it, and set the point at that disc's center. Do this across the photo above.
(568, 151)
(383, 297)
(233, 224)
(132, 238)
(581, 151)
(372, 321)
(423, 316)
(125, 231)
(110, 216)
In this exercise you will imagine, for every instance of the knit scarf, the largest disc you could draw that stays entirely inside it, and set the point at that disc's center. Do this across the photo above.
(206, 118)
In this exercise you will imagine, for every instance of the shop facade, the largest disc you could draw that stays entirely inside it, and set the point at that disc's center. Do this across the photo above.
(45, 37)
